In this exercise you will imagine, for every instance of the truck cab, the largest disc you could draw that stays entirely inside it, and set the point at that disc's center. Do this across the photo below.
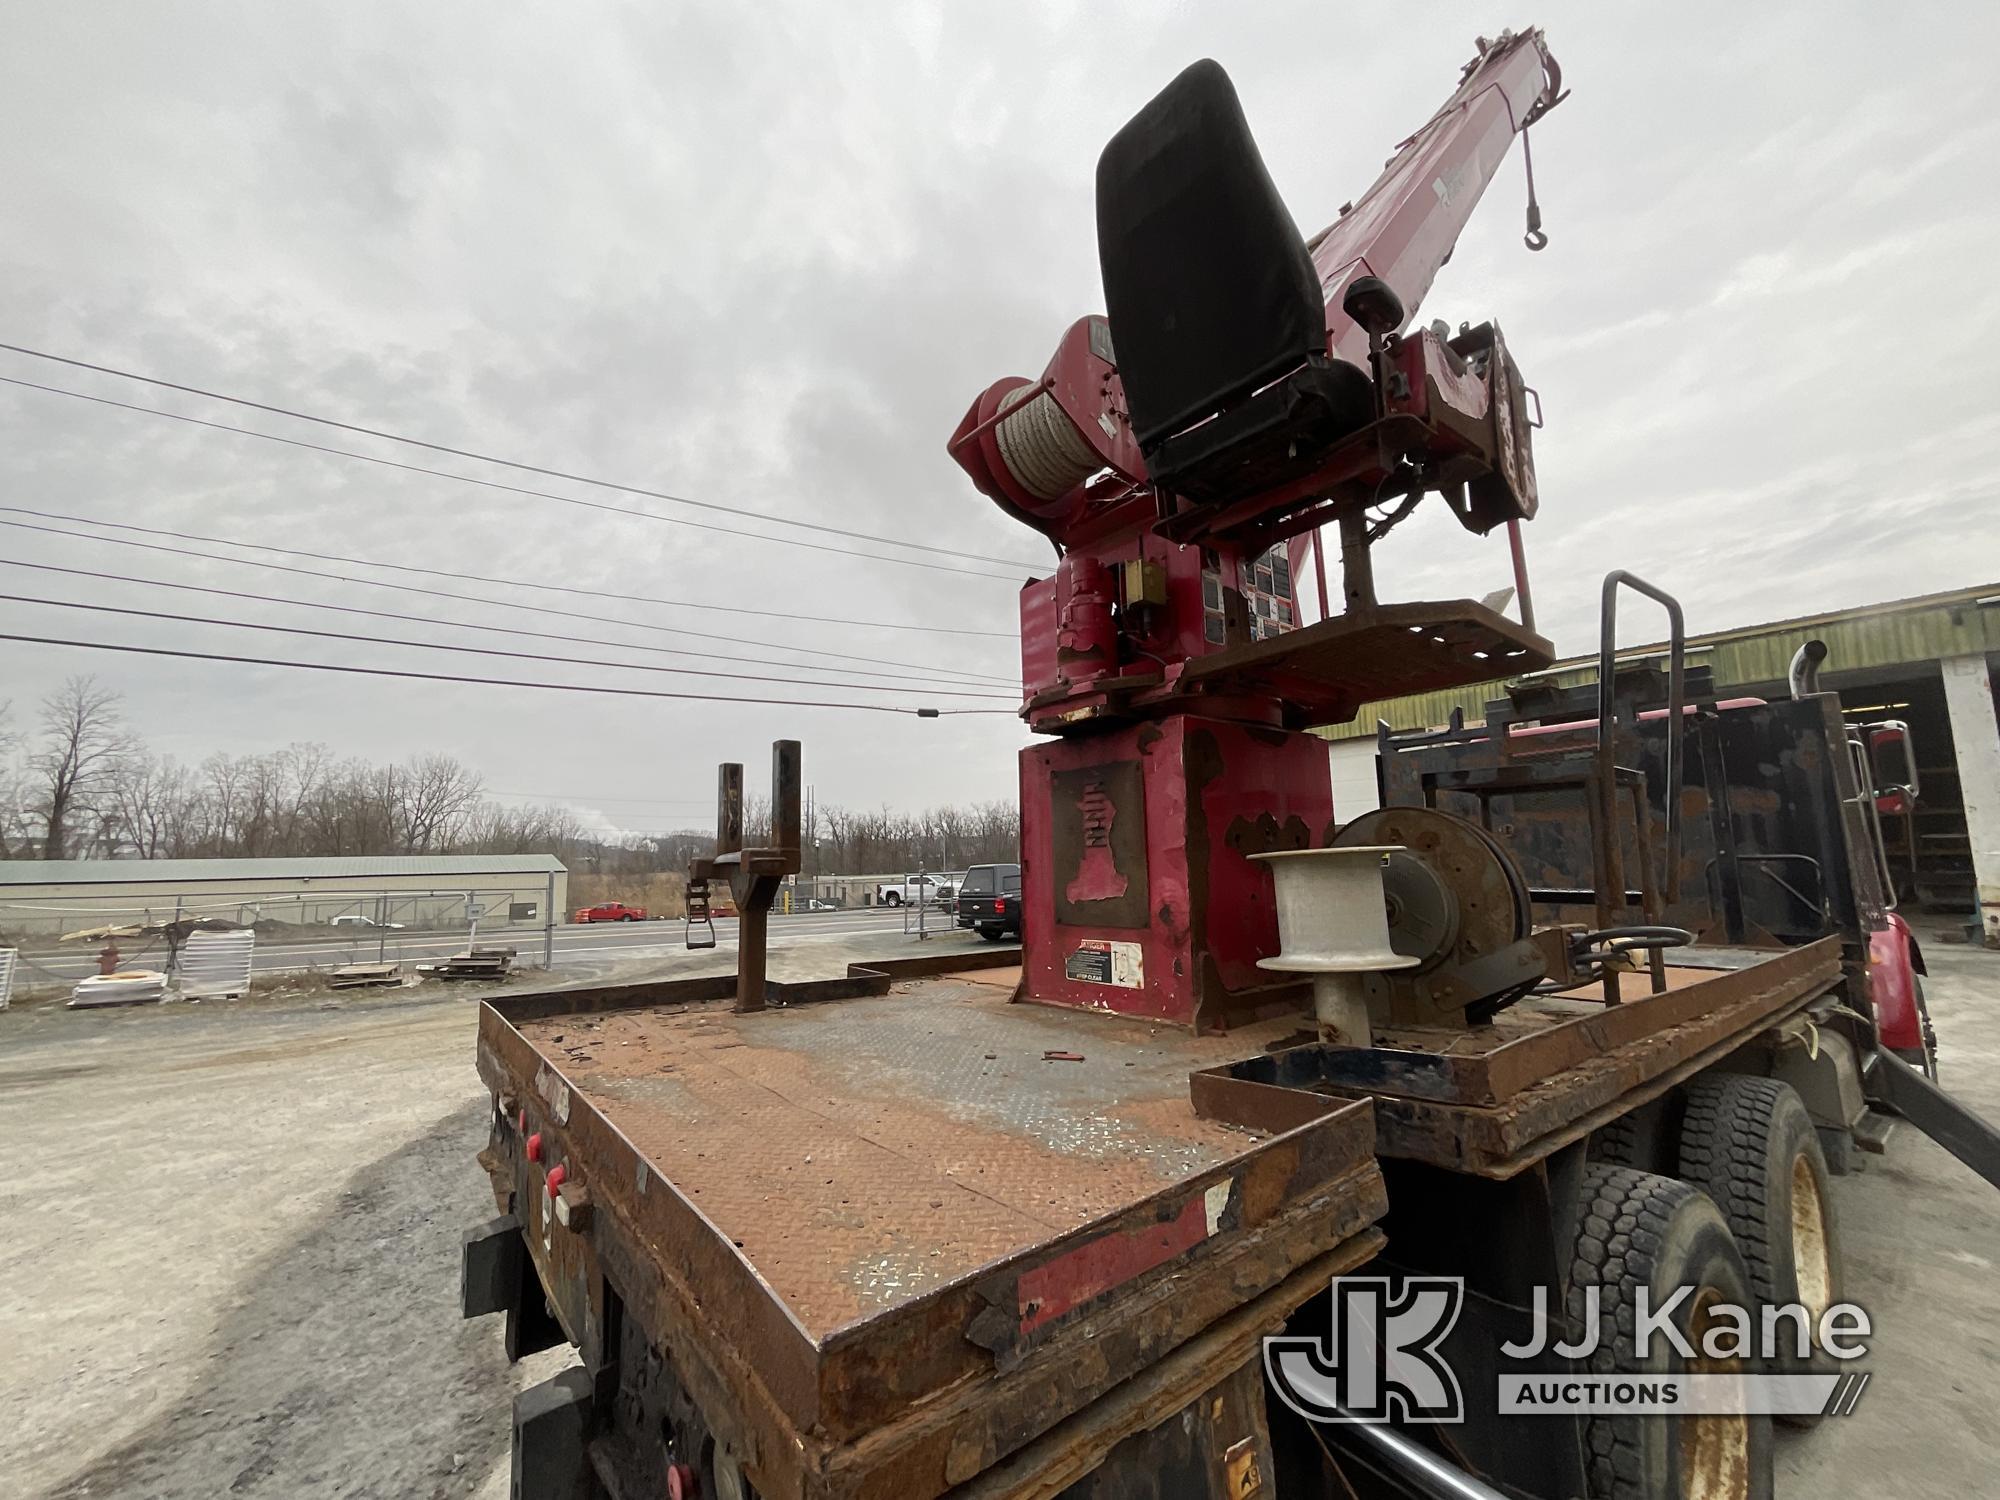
(989, 901)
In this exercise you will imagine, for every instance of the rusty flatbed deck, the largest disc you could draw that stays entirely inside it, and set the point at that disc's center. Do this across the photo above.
(864, 1153)
(894, 1229)
(1495, 1099)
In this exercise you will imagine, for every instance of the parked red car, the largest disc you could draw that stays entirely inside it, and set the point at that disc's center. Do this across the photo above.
(610, 911)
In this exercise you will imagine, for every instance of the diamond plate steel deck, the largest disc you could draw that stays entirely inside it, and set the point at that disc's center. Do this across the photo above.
(862, 1153)
(888, 1232)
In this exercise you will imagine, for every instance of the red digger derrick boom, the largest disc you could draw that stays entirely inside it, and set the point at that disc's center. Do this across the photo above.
(1246, 387)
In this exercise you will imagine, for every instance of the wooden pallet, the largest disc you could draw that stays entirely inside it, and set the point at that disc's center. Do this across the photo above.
(359, 976)
(480, 963)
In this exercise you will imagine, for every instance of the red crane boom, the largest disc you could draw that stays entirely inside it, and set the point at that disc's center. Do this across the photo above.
(1244, 387)
(1403, 228)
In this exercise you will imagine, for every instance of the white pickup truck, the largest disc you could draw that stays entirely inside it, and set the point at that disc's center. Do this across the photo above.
(936, 890)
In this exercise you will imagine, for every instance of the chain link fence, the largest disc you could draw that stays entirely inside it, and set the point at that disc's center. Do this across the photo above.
(314, 926)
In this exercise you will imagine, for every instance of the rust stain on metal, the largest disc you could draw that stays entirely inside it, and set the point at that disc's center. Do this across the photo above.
(863, 1153)
(1265, 834)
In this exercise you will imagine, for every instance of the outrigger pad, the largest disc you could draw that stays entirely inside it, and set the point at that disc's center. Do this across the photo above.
(1206, 278)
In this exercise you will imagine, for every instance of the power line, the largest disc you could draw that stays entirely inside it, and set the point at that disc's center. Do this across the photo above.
(389, 614)
(494, 484)
(408, 588)
(516, 583)
(578, 797)
(378, 640)
(503, 682)
(505, 463)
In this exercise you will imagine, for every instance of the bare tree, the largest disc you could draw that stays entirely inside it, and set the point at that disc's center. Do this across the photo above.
(433, 795)
(153, 806)
(17, 817)
(89, 788)
(83, 739)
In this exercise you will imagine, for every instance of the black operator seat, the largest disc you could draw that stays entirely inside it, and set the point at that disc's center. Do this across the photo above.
(1214, 305)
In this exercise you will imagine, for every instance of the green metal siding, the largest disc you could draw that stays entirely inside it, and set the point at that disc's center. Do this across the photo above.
(1909, 632)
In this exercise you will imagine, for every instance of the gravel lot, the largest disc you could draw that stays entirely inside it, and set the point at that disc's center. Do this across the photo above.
(230, 1265)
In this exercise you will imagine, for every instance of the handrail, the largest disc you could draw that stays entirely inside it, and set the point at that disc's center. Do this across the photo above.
(1607, 721)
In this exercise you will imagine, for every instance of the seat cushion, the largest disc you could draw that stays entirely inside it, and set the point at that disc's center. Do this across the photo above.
(1206, 278)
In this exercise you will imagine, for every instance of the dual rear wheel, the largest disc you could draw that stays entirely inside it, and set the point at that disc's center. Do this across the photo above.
(1746, 1220)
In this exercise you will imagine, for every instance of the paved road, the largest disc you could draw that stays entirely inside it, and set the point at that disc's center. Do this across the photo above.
(597, 941)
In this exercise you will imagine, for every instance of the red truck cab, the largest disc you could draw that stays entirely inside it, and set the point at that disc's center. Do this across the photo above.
(610, 911)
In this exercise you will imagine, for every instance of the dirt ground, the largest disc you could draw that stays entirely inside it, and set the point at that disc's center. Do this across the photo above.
(231, 1260)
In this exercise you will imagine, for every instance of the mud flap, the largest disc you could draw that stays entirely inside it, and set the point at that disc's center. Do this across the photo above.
(1896, 1087)
(496, 1276)
(551, 1437)
(491, 1259)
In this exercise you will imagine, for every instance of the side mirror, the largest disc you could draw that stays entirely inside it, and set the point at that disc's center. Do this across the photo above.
(1892, 759)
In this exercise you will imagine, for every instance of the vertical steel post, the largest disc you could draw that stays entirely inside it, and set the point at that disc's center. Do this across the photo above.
(786, 789)
(1521, 574)
(549, 925)
(753, 928)
(1968, 701)
(729, 808)
(1319, 571)
(1357, 568)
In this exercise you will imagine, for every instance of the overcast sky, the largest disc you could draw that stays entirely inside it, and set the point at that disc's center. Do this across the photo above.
(765, 256)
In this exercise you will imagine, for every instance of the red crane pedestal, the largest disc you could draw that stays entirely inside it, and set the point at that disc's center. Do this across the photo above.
(1137, 891)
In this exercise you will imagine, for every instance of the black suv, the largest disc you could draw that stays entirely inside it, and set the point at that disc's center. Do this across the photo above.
(989, 898)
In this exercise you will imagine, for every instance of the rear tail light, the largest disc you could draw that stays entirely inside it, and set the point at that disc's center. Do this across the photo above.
(1000, 907)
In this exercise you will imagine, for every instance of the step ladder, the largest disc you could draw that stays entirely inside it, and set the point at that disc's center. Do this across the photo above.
(698, 913)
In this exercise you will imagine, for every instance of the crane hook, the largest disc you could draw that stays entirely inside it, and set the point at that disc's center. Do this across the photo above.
(1534, 239)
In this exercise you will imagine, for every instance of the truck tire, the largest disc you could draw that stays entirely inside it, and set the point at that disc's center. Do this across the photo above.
(1635, 1229)
(992, 934)
(1641, 1138)
(892, 899)
(1750, 1145)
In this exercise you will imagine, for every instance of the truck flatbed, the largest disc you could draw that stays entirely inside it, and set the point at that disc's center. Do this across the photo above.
(1495, 1099)
(902, 1205)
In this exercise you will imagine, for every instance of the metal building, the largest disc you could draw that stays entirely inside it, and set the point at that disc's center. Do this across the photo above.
(45, 898)
(1928, 661)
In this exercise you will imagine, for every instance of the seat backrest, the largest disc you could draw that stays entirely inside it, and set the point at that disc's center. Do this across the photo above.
(1207, 282)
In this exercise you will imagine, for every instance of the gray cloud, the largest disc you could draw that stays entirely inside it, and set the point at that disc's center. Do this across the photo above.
(766, 258)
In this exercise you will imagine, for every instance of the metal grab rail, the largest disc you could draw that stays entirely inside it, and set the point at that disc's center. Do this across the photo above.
(1607, 721)
(1871, 816)
(1609, 854)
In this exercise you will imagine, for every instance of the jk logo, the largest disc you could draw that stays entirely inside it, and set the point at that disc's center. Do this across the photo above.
(1381, 1362)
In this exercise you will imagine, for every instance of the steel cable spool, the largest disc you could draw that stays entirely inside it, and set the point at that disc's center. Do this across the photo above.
(1040, 445)
(1456, 900)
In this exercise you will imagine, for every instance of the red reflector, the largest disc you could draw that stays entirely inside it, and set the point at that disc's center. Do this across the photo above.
(535, 1146)
(557, 1176)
